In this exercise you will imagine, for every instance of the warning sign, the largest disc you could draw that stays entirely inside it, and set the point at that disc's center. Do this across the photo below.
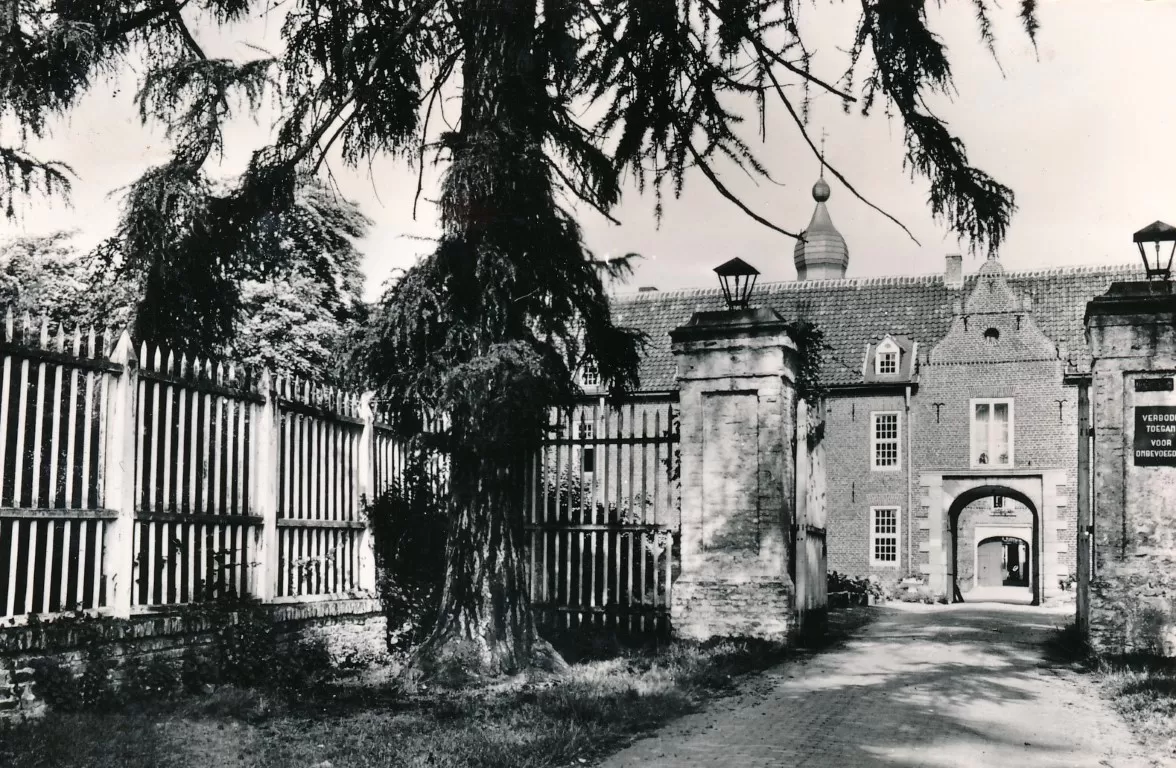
(1155, 436)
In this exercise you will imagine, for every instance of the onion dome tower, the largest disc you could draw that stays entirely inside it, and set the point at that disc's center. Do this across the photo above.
(822, 253)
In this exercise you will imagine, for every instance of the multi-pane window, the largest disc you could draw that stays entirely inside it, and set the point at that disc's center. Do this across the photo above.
(884, 440)
(992, 433)
(884, 525)
(589, 375)
(886, 358)
(586, 431)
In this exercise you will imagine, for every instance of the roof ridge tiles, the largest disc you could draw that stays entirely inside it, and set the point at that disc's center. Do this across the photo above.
(788, 286)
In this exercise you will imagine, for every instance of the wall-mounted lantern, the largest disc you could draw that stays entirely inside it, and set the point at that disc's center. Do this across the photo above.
(1154, 262)
(738, 279)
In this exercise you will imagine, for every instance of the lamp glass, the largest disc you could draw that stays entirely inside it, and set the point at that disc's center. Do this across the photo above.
(737, 279)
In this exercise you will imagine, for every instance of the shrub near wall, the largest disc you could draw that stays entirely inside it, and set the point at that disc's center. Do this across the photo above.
(845, 591)
(80, 662)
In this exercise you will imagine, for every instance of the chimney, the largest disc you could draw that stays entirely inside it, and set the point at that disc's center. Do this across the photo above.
(647, 289)
(953, 276)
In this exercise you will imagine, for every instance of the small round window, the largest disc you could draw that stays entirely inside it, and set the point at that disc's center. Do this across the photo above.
(992, 336)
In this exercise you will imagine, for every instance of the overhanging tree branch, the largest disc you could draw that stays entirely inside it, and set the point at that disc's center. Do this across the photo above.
(796, 118)
(722, 189)
(397, 39)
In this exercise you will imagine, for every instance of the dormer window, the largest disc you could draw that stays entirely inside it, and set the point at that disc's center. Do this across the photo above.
(886, 358)
(589, 375)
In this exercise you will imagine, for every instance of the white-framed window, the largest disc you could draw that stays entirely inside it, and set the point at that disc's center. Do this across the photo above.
(998, 502)
(992, 432)
(586, 431)
(885, 443)
(886, 358)
(589, 375)
(885, 523)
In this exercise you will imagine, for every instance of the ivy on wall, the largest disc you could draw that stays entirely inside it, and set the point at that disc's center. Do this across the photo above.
(811, 346)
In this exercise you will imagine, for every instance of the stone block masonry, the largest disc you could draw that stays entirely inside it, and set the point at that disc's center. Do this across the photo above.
(738, 419)
(17, 692)
(1128, 593)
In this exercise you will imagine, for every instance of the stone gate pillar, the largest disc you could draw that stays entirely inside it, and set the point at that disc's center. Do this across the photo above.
(1129, 549)
(736, 380)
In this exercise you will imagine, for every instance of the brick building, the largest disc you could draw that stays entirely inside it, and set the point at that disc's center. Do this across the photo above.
(951, 417)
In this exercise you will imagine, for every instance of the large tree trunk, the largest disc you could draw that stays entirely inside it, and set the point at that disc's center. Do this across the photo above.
(485, 626)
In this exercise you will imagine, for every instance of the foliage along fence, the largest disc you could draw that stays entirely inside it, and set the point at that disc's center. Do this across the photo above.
(603, 516)
(130, 482)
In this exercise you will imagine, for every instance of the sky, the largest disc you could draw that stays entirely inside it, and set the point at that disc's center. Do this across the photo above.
(1081, 129)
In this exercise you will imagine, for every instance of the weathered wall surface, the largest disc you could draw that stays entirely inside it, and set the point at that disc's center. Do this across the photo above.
(352, 631)
(738, 403)
(1132, 591)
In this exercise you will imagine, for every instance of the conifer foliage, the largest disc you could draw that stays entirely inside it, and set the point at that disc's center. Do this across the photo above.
(559, 100)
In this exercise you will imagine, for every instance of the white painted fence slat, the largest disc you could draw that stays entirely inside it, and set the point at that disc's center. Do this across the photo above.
(19, 447)
(79, 584)
(71, 434)
(14, 533)
(5, 395)
(124, 459)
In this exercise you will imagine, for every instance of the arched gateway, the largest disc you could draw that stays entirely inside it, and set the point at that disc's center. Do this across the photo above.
(946, 494)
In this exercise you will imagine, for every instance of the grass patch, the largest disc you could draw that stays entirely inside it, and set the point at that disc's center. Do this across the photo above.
(596, 709)
(1143, 690)
(1141, 687)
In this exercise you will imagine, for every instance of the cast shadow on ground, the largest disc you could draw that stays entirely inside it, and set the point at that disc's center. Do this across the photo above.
(948, 686)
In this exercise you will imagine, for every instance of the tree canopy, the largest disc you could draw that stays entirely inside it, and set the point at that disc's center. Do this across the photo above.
(300, 318)
(559, 100)
(49, 276)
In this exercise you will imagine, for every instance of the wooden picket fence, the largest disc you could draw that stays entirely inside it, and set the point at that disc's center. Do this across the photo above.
(603, 516)
(133, 480)
(137, 479)
(52, 427)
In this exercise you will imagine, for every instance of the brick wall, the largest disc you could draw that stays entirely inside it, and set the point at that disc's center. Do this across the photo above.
(1021, 363)
(853, 485)
(353, 631)
(1044, 436)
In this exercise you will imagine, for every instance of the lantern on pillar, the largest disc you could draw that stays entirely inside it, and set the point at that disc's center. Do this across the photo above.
(737, 278)
(1157, 263)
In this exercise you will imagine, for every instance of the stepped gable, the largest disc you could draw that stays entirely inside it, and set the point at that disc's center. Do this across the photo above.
(851, 312)
(995, 325)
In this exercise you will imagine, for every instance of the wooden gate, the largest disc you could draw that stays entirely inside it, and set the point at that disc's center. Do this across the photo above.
(602, 518)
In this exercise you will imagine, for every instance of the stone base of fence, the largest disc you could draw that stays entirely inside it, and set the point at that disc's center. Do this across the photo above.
(762, 608)
(353, 631)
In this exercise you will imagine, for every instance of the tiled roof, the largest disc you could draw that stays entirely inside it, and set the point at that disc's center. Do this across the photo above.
(854, 311)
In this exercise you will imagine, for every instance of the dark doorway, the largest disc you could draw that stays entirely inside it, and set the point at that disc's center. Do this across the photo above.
(1016, 553)
(1002, 561)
